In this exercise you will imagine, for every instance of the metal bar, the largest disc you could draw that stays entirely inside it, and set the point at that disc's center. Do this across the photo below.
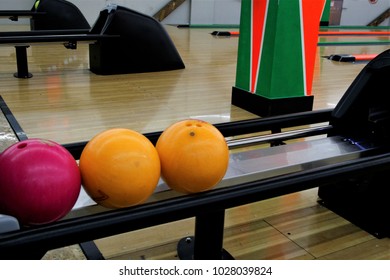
(43, 32)
(91, 251)
(209, 229)
(14, 14)
(54, 38)
(22, 63)
(280, 136)
(275, 122)
(208, 240)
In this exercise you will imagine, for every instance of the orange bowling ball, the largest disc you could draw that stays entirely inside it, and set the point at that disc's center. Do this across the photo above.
(194, 156)
(119, 168)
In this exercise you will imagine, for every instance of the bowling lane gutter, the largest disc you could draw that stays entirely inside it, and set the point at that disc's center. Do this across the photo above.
(86, 228)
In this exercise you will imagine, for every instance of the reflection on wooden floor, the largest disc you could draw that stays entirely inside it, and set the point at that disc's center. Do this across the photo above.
(66, 103)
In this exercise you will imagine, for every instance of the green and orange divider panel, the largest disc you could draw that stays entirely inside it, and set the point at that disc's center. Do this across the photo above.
(276, 55)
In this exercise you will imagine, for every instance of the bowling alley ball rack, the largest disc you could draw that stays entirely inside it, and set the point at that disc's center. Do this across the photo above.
(354, 151)
(121, 41)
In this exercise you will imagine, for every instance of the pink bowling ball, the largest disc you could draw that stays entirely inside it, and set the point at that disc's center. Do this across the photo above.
(40, 181)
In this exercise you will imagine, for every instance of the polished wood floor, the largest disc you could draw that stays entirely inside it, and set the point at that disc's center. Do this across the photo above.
(67, 103)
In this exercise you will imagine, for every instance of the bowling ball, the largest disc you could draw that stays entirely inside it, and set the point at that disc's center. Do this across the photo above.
(40, 181)
(194, 156)
(119, 168)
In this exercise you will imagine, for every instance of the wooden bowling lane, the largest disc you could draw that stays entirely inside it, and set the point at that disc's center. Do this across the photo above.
(66, 103)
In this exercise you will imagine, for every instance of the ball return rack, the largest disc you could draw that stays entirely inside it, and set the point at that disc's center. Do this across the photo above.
(121, 41)
(344, 152)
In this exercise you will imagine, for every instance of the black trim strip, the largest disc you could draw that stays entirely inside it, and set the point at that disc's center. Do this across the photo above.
(19, 132)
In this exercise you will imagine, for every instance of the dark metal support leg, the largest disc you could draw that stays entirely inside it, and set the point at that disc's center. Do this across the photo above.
(21, 62)
(208, 241)
(91, 251)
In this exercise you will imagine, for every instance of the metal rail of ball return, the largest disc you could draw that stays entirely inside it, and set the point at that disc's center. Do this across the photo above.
(14, 15)
(348, 140)
(22, 40)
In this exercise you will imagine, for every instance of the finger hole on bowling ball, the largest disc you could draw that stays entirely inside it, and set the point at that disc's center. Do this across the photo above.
(22, 145)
